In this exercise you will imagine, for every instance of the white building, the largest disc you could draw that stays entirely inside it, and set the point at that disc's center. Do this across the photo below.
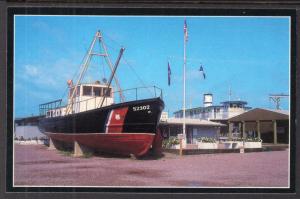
(225, 110)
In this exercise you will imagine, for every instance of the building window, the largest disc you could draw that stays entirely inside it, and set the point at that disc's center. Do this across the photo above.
(107, 92)
(97, 91)
(87, 90)
(78, 91)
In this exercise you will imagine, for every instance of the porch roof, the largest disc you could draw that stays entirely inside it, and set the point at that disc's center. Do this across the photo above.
(261, 114)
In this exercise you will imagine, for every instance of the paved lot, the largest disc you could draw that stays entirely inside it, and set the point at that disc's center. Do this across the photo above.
(36, 165)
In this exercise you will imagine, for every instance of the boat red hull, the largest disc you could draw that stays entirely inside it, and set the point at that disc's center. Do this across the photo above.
(137, 144)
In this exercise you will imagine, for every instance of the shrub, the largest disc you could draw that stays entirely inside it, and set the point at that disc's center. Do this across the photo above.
(172, 140)
(206, 140)
(248, 139)
(236, 139)
(253, 139)
(65, 152)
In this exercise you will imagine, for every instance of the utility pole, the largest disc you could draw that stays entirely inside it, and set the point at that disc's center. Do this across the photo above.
(276, 99)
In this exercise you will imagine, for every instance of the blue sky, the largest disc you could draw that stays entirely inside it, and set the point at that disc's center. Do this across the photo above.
(250, 55)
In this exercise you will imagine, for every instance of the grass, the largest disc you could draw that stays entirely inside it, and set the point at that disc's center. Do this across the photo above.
(71, 153)
(87, 155)
(66, 153)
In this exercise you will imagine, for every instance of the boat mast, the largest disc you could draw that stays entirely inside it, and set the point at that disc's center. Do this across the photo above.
(112, 75)
(111, 68)
(84, 68)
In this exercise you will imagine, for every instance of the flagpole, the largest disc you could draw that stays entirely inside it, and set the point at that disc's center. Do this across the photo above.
(184, 93)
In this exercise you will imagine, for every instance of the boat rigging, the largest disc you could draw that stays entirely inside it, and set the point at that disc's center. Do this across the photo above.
(88, 58)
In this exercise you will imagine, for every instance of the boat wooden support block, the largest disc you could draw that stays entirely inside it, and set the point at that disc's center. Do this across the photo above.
(80, 150)
(53, 144)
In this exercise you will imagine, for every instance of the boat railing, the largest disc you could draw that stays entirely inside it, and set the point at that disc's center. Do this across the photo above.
(139, 93)
(55, 108)
(44, 108)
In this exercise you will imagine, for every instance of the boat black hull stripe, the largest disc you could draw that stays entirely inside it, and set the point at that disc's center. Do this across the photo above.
(94, 121)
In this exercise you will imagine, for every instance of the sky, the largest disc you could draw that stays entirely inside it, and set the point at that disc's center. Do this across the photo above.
(247, 55)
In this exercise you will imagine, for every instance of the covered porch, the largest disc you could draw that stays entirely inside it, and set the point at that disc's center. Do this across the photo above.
(195, 128)
(272, 126)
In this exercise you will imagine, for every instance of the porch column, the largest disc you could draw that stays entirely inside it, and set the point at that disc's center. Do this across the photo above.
(258, 128)
(244, 129)
(229, 130)
(218, 132)
(275, 131)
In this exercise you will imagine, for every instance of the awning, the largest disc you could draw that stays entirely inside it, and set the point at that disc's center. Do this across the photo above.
(261, 114)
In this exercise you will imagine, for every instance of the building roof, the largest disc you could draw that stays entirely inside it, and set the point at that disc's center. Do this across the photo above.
(190, 121)
(27, 120)
(234, 102)
(199, 108)
(261, 114)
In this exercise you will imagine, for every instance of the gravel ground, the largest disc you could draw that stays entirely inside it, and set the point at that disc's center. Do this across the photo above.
(35, 165)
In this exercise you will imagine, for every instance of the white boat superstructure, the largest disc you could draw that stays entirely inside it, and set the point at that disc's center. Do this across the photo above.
(90, 96)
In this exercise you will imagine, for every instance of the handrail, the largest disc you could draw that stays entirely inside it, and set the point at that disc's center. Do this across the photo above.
(43, 108)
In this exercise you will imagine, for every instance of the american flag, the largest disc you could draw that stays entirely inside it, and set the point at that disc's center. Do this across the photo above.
(185, 31)
(169, 74)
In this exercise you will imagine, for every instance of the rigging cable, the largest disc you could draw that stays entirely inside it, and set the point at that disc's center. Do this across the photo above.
(102, 63)
(127, 63)
(139, 78)
(76, 74)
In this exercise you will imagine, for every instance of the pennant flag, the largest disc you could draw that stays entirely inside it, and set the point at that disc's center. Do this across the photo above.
(185, 31)
(202, 71)
(169, 74)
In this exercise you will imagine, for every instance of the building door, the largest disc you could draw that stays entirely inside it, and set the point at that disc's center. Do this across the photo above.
(195, 135)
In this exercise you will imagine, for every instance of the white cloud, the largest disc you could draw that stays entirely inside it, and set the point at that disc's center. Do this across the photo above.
(33, 75)
(46, 77)
(31, 70)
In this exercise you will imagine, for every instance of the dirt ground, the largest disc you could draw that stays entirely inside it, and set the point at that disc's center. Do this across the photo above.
(35, 165)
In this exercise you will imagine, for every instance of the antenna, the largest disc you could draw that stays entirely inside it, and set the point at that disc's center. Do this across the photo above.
(229, 93)
(276, 99)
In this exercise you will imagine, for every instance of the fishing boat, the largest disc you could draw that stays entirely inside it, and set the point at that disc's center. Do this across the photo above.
(93, 118)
